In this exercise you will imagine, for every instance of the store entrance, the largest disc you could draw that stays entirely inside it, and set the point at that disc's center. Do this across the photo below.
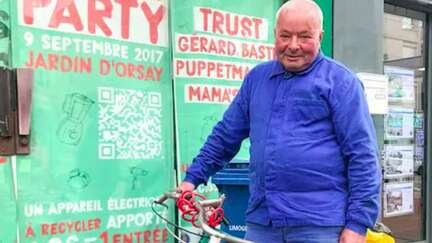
(403, 154)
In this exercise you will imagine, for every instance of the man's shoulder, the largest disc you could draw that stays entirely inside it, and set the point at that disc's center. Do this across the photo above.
(339, 75)
(337, 66)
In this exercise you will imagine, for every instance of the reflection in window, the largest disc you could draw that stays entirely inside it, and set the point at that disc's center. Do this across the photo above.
(407, 23)
(403, 37)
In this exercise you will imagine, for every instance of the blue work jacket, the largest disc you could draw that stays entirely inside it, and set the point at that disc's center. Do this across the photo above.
(313, 154)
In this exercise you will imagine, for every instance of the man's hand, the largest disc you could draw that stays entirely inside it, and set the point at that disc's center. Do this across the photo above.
(349, 236)
(185, 186)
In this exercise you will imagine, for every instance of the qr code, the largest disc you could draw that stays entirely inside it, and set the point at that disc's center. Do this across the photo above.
(129, 124)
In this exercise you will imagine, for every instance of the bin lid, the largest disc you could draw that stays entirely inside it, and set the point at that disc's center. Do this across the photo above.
(232, 174)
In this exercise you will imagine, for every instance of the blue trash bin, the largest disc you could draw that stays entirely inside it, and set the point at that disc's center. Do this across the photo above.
(233, 181)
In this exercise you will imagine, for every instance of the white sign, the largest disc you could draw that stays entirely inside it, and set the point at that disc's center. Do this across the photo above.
(398, 199)
(401, 84)
(399, 123)
(399, 161)
(376, 89)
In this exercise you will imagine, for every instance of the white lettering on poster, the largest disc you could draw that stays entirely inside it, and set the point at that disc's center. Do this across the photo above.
(84, 46)
(74, 207)
(58, 43)
(129, 203)
(35, 209)
(130, 220)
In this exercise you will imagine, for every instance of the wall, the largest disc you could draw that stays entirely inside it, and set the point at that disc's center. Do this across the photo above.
(357, 39)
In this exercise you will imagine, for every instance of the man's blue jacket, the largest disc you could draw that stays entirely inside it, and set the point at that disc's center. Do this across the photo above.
(313, 155)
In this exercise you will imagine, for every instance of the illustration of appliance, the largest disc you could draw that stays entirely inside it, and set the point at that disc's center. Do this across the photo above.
(78, 179)
(76, 107)
(137, 174)
(4, 34)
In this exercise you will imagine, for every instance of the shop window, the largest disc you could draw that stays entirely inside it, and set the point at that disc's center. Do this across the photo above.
(403, 152)
(407, 23)
(409, 51)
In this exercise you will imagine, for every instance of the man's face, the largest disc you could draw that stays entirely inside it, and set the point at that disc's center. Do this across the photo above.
(297, 39)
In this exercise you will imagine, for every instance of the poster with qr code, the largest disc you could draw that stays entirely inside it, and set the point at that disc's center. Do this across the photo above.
(8, 223)
(130, 124)
(102, 120)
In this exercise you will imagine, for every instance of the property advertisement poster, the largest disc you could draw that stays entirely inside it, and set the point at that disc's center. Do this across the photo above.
(418, 120)
(399, 161)
(399, 123)
(398, 199)
(102, 137)
(418, 156)
(419, 137)
(401, 84)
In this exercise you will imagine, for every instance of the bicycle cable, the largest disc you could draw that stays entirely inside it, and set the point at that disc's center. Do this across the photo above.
(173, 224)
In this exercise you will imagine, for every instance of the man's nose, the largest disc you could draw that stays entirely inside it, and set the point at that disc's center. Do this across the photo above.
(293, 43)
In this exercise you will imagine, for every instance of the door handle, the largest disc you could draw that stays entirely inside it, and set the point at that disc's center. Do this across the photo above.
(24, 79)
(15, 110)
(7, 146)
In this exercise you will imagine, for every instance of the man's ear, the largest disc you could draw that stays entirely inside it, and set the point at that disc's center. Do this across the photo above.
(321, 35)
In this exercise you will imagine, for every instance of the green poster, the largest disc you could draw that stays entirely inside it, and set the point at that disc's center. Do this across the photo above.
(8, 216)
(102, 137)
(327, 42)
(213, 50)
(4, 33)
(7, 202)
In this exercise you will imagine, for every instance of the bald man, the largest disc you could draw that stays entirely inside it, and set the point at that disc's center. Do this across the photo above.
(314, 172)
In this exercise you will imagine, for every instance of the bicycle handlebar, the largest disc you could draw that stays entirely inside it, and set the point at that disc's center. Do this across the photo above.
(202, 205)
